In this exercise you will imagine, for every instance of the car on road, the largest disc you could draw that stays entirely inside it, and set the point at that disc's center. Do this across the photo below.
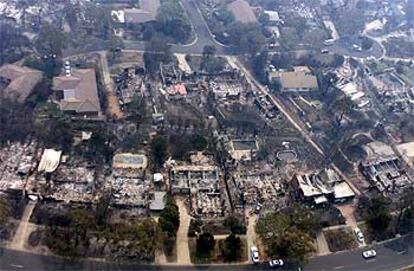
(254, 254)
(368, 254)
(276, 263)
(359, 235)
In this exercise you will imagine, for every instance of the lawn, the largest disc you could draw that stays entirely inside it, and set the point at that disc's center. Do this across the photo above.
(215, 256)
(341, 239)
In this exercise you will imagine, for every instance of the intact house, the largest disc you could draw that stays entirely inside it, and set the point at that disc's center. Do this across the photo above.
(76, 93)
(242, 11)
(147, 12)
(323, 187)
(17, 82)
(299, 80)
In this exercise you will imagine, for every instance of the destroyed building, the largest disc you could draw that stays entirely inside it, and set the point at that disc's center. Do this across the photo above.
(128, 183)
(200, 179)
(384, 169)
(322, 187)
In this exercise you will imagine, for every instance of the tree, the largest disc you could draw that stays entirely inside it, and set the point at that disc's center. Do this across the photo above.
(246, 38)
(230, 248)
(235, 225)
(172, 21)
(4, 211)
(378, 216)
(366, 43)
(159, 150)
(259, 63)
(264, 18)
(209, 51)
(405, 205)
(205, 243)
(170, 218)
(198, 142)
(51, 41)
(286, 234)
(342, 107)
(16, 121)
(102, 207)
(209, 62)
(157, 50)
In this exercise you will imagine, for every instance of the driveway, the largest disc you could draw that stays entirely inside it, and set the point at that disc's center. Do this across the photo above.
(183, 252)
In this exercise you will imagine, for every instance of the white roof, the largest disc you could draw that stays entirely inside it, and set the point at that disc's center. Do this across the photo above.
(407, 149)
(350, 88)
(320, 199)
(118, 15)
(273, 15)
(343, 190)
(357, 95)
(158, 177)
(49, 161)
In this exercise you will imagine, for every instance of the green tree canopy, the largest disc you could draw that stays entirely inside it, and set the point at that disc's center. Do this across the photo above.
(287, 234)
(159, 147)
(205, 243)
(231, 248)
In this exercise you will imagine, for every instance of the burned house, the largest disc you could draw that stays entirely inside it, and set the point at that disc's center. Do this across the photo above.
(322, 187)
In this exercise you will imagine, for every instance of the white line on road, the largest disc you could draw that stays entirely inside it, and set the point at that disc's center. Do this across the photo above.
(402, 252)
(338, 267)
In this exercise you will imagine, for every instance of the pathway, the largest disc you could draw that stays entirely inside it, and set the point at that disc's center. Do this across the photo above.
(183, 252)
(113, 104)
(251, 231)
(322, 245)
(25, 228)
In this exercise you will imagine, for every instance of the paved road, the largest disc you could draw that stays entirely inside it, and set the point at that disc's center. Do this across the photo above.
(343, 47)
(391, 255)
(202, 33)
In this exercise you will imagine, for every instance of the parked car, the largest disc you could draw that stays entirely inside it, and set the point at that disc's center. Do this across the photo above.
(369, 254)
(254, 252)
(276, 263)
(359, 235)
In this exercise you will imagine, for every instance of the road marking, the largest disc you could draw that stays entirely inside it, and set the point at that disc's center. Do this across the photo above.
(371, 260)
(338, 267)
(17, 265)
(402, 252)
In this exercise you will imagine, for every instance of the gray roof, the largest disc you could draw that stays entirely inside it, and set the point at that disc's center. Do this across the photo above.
(242, 11)
(22, 81)
(158, 203)
(146, 12)
(298, 80)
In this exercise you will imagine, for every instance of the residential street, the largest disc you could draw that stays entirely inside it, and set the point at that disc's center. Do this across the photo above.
(391, 255)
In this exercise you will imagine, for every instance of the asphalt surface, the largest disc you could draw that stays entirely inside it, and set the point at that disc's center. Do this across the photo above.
(203, 36)
(391, 255)
(343, 46)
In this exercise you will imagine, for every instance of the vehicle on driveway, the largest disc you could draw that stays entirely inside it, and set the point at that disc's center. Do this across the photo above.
(254, 254)
(359, 235)
(368, 254)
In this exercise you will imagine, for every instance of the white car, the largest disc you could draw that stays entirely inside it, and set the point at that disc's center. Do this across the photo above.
(254, 253)
(369, 254)
(359, 235)
(276, 263)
